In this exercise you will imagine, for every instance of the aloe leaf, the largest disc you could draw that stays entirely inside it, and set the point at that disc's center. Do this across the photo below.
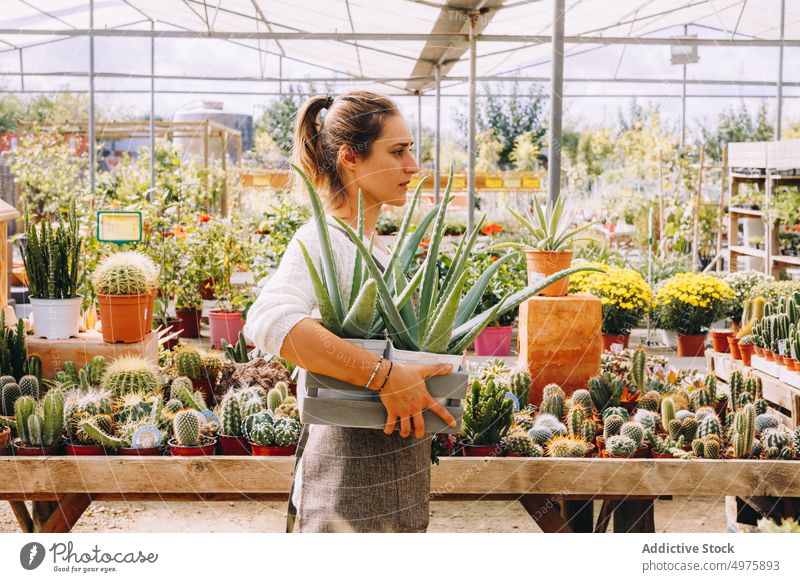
(394, 322)
(362, 313)
(407, 292)
(459, 263)
(427, 298)
(509, 245)
(329, 318)
(438, 337)
(517, 298)
(328, 263)
(473, 297)
(402, 233)
(357, 270)
(411, 245)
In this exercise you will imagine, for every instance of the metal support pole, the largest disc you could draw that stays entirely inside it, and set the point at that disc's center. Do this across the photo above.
(556, 111)
(280, 75)
(419, 128)
(92, 148)
(683, 97)
(779, 120)
(152, 114)
(21, 71)
(471, 125)
(438, 136)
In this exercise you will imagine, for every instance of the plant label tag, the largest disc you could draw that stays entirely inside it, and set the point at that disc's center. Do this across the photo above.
(514, 399)
(119, 226)
(782, 347)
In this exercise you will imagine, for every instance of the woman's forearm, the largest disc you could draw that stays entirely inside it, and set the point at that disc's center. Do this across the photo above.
(311, 346)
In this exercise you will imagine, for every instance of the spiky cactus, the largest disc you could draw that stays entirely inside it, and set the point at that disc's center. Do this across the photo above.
(125, 273)
(289, 409)
(287, 431)
(561, 446)
(701, 397)
(520, 443)
(744, 431)
(94, 432)
(708, 425)
(620, 446)
(638, 374)
(766, 421)
(667, 412)
(618, 410)
(130, 374)
(647, 418)
(80, 406)
(230, 418)
(634, 431)
(173, 405)
(685, 427)
(40, 426)
(29, 386)
(605, 390)
(520, 384)
(588, 430)
(33, 366)
(648, 402)
(707, 447)
(189, 363)
(612, 425)
(10, 392)
(736, 384)
(274, 398)
(575, 419)
(487, 413)
(186, 427)
(778, 443)
(710, 383)
(182, 390)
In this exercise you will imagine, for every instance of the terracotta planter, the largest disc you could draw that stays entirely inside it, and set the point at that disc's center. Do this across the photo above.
(25, 451)
(542, 264)
(145, 452)
(733, 345)
(494, 341)
(189, 325)
(84, 450)
(126, 318)
(797, 365)
(5, 437)
(719, 340)
(691, 345)
(610, 339)
(768, 355)
(481, 450)
(259, 451)
(233, 445)
(601, 445)
(643, 452)
(224, 325)
(746, 351)
(177, 450)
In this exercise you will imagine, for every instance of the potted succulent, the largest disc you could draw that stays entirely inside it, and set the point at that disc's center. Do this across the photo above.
(193, 435)
(202, 370)
(83, 405)
(688, 304)
(125, 285)
(551, 236)
(518, 443)
(746, 346)
(52, 256)
(133, 438)
(230, 437)
(487, 418)
(38, 425)
(271, 435)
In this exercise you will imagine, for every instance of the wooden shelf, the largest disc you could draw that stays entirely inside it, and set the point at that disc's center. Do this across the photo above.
(746, 212)
(786, 259)
(748, 251)
(739, 176)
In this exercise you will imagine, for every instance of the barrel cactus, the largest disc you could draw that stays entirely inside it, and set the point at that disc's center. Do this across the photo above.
(187, 428)
(274, 398)
(9, 394)
(634, 431)
(561, 446)
(612, 425)
(29, 386)
(287, 431)
(778, 443)
(130, 374)
(189, 363)
(647, 418)
(289, 409)
(125, 273)
(620, 446)
(649, 402)
(230, 417)
(521, 443)
(707, 447)
(766, 421)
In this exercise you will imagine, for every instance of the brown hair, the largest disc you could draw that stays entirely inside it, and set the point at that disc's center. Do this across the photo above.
(354, 119)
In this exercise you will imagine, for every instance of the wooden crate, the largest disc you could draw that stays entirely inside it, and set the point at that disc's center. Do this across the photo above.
(326, 400)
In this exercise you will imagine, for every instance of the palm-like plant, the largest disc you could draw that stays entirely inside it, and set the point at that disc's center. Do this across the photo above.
(551, 230)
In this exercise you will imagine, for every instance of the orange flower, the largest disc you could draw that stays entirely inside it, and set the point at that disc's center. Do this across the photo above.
(204, 217)
(491, 228)
(424, 243)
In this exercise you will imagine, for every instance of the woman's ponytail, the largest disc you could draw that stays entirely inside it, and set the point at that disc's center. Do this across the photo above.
(308, 151)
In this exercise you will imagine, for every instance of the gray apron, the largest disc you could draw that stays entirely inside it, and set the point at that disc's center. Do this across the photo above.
(360, 480)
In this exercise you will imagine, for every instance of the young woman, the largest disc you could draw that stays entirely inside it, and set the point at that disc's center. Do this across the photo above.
(350, 479)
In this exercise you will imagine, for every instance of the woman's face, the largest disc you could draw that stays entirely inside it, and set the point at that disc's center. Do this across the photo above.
(384, 174)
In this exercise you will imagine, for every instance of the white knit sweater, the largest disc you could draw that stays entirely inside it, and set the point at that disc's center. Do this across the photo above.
(287, 296)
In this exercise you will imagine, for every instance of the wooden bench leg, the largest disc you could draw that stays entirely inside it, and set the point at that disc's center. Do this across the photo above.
(634, 516)
(606, 513)
(579, 514)
(23, 515)
(41, 512)
(69, 510)
(545, 511)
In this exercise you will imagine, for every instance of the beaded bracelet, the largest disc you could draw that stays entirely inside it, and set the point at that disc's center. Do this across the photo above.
(391, 365)
(374, 371)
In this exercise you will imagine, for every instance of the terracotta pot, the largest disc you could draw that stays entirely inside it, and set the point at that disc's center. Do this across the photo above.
(126, 318)
(189, 325)
(177, 450)
(22, 450)
(746, 351)
(224, 325)
(481, 450)
(789, 363)
(591, 451)
(719, 340)
(758, 351)
(691, 345)
(5, 437)
(233, 445)
(84, 450)
(494, 341)
(733, 345)
(145, 452)
(768, 355)
(610, 339)
(542, 264)
(797, 365)
(601, 445)
(259, 451)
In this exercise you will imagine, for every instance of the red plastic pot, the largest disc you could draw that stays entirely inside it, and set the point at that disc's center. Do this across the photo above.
(146, 452)
(177, 450)
(259, 451)
(494, 341)
(25, 451)
(719, 340)
(690, 346)
(481, 450)
(189, 325)
(84, 450)
(733, 345)
(233, 445)
(611, 339)
(224, 325)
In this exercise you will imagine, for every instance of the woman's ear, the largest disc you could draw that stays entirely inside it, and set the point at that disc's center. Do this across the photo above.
(347, 157)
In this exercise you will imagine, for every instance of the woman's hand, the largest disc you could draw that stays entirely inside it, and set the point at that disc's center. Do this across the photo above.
(405, 396)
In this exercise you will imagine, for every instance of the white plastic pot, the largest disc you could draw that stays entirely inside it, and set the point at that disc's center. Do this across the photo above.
(56, 318)
(409, 357)
(375, 346)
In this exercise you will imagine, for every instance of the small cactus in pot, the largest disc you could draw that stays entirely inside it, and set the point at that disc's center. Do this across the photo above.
(190, 434)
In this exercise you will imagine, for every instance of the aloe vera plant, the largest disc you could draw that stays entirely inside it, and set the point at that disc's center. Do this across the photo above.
(551, 231)
(443, 320)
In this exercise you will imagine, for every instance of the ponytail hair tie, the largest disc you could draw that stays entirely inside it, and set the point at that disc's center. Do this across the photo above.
(329, 102)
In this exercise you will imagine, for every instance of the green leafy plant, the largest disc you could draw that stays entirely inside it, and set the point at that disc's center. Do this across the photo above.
(487, 413)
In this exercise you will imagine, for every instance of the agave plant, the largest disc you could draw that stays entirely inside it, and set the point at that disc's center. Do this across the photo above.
(443, 320)
(551, 231)
(361, 317)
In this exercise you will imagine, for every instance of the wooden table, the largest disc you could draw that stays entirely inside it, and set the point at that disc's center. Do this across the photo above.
(557, 493)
